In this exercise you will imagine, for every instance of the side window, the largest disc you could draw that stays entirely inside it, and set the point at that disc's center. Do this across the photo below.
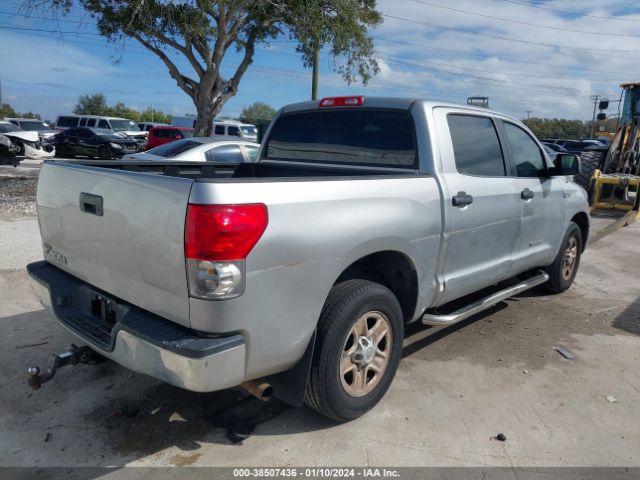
(527, 156)
(67, 122)
(476, 146)
(219, 130)
(235, 131)
(91, 122)
(83, 122)
(225, 154)
(160, 133)
(104, 124)
(252, 152)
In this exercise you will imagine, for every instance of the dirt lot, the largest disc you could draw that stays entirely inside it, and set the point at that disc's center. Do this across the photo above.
(455, 389)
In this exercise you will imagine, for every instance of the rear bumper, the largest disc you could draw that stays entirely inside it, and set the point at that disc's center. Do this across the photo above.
(137, 339)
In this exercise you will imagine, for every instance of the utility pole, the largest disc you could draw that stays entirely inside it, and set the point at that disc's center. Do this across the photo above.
(595, 99)
(529, 112)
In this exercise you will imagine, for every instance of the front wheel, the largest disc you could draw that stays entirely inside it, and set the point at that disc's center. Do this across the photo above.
(104, 153)
(565, 266)
(357, 352)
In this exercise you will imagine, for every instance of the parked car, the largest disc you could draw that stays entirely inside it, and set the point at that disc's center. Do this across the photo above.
(202, 149)
(555, 147)
(225, 128)
(45, 132)
(160, 135)
(27, 143)
(296, 275)
(575, 145)
(93, 142)
(146, 126)
(123, 126)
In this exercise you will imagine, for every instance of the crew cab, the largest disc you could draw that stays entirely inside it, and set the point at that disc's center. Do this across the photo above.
(297, 275)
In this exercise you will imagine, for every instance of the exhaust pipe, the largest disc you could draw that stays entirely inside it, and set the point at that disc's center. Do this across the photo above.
(259, 389)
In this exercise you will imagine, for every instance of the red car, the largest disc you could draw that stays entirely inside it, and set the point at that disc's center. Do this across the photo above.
(166, 134)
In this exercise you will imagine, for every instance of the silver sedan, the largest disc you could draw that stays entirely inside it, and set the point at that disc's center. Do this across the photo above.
(201, 149)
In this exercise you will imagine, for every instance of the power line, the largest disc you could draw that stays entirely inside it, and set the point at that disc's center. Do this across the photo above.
(525, 23)
(566, 12)
(10, 27)
(498, 37)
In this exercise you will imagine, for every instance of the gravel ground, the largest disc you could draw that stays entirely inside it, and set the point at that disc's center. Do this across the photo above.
(17, 196)
(18, 190)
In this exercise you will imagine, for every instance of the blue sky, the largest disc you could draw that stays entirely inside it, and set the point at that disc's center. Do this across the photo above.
(547, 57)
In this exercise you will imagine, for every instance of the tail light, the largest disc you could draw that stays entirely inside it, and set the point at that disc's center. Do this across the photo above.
(342, 101)
(218, 239)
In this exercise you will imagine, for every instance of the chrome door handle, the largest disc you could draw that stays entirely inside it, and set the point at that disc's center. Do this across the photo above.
(462, 199)
(527, 194)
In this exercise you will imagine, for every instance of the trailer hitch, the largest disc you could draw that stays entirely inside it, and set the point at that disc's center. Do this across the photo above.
(71, 356)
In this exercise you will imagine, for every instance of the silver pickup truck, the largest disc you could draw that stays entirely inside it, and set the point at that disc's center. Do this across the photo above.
(296, 275)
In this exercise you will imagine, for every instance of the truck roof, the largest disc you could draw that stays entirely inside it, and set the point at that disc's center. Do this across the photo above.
(402, 103)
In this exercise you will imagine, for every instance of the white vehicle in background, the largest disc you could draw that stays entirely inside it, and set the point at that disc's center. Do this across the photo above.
(27, 143)
(122, 126)
(225, 128)
(188, 121)
(45, 132)
(232, 128)
(146, 126)
(201, 149)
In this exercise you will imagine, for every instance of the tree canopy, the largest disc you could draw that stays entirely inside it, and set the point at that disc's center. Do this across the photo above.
(256, 112)
(7, 111)
(203, 32)
(96, 104)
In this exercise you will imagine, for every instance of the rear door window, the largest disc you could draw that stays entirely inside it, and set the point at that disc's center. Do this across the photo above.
(382, 138)
(476, 147)
(219, 130)
(234, 131)
(173, 149)
(91, 122)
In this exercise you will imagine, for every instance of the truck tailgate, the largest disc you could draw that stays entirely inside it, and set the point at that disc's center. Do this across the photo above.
(120, 231)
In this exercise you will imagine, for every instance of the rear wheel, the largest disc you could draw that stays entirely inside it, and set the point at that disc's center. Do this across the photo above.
(589, 161)
(357, 352)
(62, 151)
(565, 266)
(104, 153)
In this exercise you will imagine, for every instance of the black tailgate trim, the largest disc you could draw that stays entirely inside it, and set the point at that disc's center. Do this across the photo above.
(71, 300)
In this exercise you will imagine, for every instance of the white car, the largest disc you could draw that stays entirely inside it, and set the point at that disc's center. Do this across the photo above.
(28, 142)
(202, 149)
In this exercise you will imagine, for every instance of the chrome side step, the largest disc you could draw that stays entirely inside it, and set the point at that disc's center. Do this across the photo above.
(485, 303)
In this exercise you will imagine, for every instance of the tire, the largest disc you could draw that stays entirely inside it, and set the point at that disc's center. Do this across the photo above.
(560, 277)
(589, 161)
(104, 153)
(353, 307)
(63, 151)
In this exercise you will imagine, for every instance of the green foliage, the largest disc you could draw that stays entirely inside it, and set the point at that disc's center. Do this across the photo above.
(558, 128)
(256, 112)
(7, 111)
(96, 104)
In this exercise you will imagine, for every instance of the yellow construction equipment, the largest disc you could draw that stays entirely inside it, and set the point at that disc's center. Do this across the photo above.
(614, 172)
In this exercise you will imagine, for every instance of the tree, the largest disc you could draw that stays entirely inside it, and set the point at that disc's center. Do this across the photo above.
(7, 110)
(95, 104)
(256, 112)
(202, 32)
(557, 127)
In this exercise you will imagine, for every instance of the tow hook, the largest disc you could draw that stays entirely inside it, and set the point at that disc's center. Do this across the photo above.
(71, 356)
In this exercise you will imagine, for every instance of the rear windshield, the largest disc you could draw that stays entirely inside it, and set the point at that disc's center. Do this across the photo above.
(382, 138)
(169, 150)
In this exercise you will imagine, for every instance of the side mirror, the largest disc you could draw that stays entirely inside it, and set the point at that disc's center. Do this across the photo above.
(566, 164)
